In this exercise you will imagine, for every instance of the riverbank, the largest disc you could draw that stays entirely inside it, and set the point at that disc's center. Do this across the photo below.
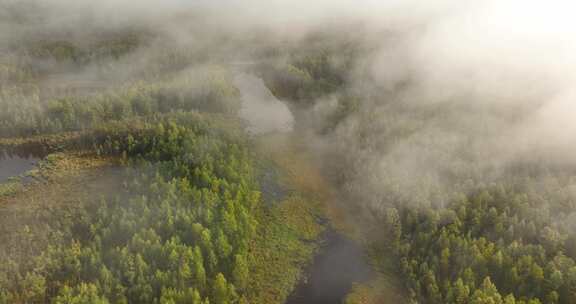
(65, 181)
(326, 278)
(340, 263)
(287, 240)
(339, 268)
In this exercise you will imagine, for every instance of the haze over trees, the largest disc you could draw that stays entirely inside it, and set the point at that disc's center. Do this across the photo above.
(454, 163)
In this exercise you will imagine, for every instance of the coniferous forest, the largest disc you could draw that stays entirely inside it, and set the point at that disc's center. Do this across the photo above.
(171, 153)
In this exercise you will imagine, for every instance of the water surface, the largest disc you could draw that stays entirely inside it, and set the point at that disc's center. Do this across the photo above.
(340, 263)
(13, 165)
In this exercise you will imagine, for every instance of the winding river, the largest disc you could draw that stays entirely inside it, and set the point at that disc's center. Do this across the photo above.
(340, 261)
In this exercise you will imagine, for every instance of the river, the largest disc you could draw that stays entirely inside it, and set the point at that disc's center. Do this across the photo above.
(340, 261)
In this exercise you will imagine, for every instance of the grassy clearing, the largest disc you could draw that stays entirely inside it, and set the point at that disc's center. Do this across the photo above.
(49, 141)
(30, 214)
(304, 176)
(65, 175)
(377, 291)
(287, 241)
(284, 246)
(385, 288)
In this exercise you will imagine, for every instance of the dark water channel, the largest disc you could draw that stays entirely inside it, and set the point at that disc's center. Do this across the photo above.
(16, 164)
(340, 263)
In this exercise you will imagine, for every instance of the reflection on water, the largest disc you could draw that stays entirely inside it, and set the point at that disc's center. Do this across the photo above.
(340, 263)
(12, 165)
(263, 112)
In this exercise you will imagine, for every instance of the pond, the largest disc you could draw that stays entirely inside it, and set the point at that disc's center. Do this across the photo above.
(13, 165)
(340, 263)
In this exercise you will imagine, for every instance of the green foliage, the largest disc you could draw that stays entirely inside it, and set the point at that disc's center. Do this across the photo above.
(178, 233)
(82, 294)
(319, 67)
(287, 242)
(460, 234)
(484, 253)
(240, 272)
(23, 114)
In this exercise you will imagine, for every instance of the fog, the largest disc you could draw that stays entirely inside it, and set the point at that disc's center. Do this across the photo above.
(501, 74)
(261, 110)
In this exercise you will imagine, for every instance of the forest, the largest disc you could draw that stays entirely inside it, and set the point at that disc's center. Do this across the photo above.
(148, 186)
(482, 240)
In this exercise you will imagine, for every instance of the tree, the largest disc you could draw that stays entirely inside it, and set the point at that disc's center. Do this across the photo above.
(240, 272)
(461, 292)
(199, 274)
(34, 286)
(509, 299)
(487, 294)
(552, 298)
(196, 299)
(220, 290)
(82, 294)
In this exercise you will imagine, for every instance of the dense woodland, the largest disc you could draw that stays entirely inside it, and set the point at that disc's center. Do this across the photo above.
(185, 225)
(25, 115)
(480, 240)
(182, 227)
(179, 233)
